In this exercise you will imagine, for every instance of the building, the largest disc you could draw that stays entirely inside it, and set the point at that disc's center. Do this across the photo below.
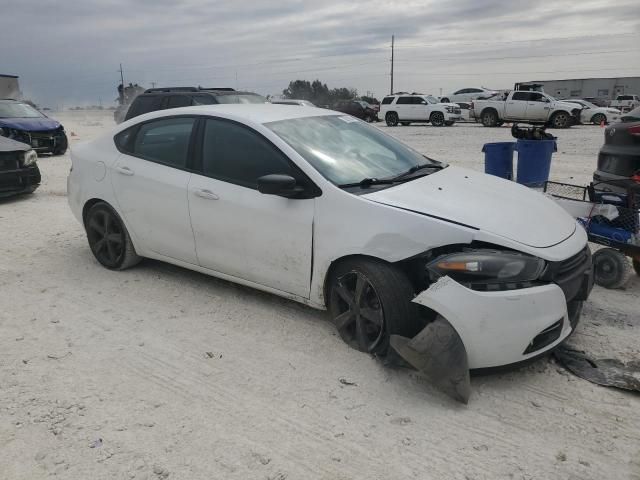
(9, 87)
(605, 89)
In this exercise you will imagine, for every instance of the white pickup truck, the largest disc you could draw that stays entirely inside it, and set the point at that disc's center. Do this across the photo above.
(625, 103)
(526, 107)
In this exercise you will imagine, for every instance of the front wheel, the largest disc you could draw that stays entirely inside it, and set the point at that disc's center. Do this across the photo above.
(598, 119)
(561, 120)
(369, 300)
(61, 148)
(437, 119)
(392, 119)
(108, 238)
(612, 269)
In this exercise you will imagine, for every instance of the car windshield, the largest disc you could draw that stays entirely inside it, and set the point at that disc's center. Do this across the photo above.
(587, 104)
(241, 98)
(431, 99)
(18, 110)
(345, 150)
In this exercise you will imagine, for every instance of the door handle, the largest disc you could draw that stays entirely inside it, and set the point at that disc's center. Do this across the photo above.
(124, 171)
(206, 194)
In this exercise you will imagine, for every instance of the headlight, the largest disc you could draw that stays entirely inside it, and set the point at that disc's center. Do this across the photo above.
(489, 269)
(29, 158)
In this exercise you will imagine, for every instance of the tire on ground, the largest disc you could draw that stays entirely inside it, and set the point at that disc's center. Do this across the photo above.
(394, 291)
(612, 268)
(489, 118)
(129, 258)
(437, 119)
(391, 118)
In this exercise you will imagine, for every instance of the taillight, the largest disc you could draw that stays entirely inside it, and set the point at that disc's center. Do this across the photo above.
(635, 130)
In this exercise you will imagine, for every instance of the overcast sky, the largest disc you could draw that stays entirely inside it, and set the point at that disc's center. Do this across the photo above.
(69, 51)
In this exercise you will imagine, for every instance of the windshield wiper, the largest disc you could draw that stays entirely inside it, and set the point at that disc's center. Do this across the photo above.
(416, 168)
(367, 182)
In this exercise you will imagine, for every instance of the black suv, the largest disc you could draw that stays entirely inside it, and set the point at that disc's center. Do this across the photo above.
(173, 97)
(357, 108)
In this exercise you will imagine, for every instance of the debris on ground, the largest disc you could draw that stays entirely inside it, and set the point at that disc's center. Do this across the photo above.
(607, 372)
(344, 381)
(96, 443)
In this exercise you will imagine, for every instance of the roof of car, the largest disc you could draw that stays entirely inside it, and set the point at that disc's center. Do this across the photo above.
(252, 112)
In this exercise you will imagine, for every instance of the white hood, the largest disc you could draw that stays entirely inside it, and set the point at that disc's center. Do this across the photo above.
(491, 204)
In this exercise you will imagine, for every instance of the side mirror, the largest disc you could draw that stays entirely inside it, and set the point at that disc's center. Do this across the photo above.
(546, 100)
(279, 184)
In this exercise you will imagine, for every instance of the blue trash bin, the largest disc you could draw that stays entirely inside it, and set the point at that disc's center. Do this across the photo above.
(498, 159)
(534, 161)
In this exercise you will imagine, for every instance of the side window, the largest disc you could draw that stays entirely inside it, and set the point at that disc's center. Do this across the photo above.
(204, 100)
(464, 90)
(237, 154)
(123, 139)
(143, 104)
(474, 90)
(520, 96)
(164, 141)
(176, 101)
(387, 100)
(418, 101)
(404, 101)
(536, 97)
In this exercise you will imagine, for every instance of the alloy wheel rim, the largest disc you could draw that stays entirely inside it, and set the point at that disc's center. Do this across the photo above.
(359, 318)
(106, 237)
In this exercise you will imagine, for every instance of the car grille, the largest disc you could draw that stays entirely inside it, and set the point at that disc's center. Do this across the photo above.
(569, 274)
(568, 266)
(9, 161)
(457, 111)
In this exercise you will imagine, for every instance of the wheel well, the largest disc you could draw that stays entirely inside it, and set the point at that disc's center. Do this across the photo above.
(335, 263)
(389, 113)
(599, 115)
(488, 109)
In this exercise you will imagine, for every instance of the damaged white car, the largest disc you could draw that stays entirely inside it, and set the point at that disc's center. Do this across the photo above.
(454, 269)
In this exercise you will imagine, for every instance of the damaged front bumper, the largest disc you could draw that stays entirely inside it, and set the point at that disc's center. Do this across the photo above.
(19, 180)
(476, 330)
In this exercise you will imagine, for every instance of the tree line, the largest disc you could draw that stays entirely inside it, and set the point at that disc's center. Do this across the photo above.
(321, 95)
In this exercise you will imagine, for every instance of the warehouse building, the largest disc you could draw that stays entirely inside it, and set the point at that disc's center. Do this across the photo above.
(603, 89)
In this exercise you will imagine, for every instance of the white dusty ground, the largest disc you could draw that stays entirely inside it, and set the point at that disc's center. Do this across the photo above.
(183, 376)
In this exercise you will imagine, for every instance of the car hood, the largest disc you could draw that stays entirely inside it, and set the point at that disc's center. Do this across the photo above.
(9, 145)
(568, 105)
(484, 202)
(30, 124)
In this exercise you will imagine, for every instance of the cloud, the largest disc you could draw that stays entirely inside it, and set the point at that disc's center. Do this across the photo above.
(70, 51)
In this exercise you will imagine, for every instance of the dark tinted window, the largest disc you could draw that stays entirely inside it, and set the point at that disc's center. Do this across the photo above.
(144, 104)
(203, 100)
(387, 100)
(176, 101)
(164, 141)
(404, 101)
(520, 96)
(237, 154)
(536, 97)
(474, 90)
(418, 101)
(122, 139)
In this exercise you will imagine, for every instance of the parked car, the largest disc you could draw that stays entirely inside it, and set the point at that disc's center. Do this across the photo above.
(291, 101)
(528, 107)
(619, 157)
(593, 114)
(599, 102)
(625, 103)
(465, 109)
(408, 108)
(357, 108)
(468, 94)
(21, 122)
(318, 207)
(19, 172)
(174, 97)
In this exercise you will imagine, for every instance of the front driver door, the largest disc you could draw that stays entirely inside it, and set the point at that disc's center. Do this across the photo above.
(537, 107)
(239, 231)
(150, 182)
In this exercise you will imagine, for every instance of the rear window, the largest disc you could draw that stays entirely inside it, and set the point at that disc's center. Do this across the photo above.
(387, 100)
(242, 98)
(625, 97)
(144, 104)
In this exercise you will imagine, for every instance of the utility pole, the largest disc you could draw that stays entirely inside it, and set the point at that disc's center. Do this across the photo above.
(153, 84)
(392, 48)
(121, 76)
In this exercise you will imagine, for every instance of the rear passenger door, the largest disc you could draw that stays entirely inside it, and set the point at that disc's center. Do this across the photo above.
(150, 180)
(265, 239)
(404, 107)
(516, 106)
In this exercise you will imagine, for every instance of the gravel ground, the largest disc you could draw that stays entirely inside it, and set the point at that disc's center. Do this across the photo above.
(159, 372)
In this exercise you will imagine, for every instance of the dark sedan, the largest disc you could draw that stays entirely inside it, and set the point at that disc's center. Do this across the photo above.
(357, 108)
(21, 122)
(19, 171)
(619, 157)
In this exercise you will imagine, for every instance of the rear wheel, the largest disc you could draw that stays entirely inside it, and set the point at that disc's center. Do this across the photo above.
(369, 300)
(437, 119)
(598, 118)
(490, 118)
(561, 120)
(444, 100)
(612, 269)
(108, 238)
(392, 119)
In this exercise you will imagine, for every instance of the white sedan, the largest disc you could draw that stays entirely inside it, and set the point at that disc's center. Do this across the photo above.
(468, 95)
(324, 209)
(592, 113)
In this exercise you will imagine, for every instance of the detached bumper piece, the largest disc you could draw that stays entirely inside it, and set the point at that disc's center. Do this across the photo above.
(15, 180)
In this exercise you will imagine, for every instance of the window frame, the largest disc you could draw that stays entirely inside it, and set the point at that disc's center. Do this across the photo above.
(311, 189)
(126, 149)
